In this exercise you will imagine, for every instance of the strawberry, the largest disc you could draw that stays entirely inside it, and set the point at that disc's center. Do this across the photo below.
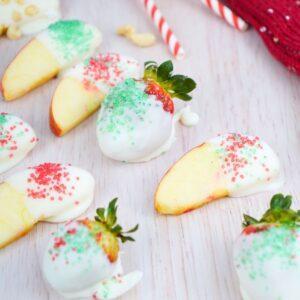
(84, 255)
(267, 253)
(106, 232)
(161, 83)
(136, 122)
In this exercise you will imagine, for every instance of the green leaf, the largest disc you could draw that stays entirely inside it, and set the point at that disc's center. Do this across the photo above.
(126, 238)
(249, 221)
(278, 213)
(178, 86)
(135, 228)
(279, 201)
(182, 96)
(101, 213)
(111, 217)
(164, 70)
(150, 64)
(108, 218)
(182, 84)
(117, 229)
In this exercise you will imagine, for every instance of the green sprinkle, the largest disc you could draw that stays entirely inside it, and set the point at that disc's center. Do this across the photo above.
(3, 119)
(72, 38)
(276, 243)
(126, 101)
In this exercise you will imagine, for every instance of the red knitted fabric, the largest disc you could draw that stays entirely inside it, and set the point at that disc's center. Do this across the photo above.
(278, 23)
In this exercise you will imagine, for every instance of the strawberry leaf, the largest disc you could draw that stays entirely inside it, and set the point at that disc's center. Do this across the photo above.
(177, 86)
(249, 221)
(101, 213)
(108, 218)
(182, 96)
(164, 71)
(111, 217)
(135, 228)
(182, 84)
(278, 213)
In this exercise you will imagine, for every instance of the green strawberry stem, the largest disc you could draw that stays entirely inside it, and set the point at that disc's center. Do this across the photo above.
(278, 213)
(108, 218)
(177, 86)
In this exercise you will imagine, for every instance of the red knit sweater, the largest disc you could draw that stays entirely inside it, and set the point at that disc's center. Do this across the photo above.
(278, 23)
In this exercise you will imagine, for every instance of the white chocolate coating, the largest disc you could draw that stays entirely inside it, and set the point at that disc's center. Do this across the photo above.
(54, 192)
(104, 71)
(70, 41)
(76, 266)
(17, 139)
(31, 16)
(248, 164)
(268, 264)
(133, 127)
(188, 118)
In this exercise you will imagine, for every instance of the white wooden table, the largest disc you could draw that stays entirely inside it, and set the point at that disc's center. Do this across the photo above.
(240, 88)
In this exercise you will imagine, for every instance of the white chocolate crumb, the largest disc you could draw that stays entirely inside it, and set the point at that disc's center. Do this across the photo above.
(4, 2)
(126, 30)
(143, 39)
(16, 16)
(188, 118)
(13, 32)
(139, 39)
(31, 10)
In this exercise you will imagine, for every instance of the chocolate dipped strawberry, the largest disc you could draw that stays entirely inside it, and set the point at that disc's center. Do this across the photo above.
(267, 253)
(83, 261)
(137, 118)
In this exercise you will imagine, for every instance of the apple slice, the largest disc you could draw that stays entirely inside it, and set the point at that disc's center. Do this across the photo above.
(32, 67)
(71, 105)
(82, 89)
(15, 218)
(228, 165)
(50, 192)
(61, 45)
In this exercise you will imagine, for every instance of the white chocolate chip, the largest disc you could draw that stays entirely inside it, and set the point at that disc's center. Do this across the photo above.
(126, 30)
(142, 39)
(188, 118)
(31, 10)
(16, 16)
(13, 32)
(20, 2)
(4, 2)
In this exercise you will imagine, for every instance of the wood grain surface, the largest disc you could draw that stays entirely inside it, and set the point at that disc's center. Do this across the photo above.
(240, 88)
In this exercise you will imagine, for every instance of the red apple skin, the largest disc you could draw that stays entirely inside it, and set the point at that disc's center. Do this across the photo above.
(53, 126)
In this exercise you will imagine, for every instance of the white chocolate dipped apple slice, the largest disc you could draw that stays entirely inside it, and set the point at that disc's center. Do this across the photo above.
(228, 165)
(61, 45)
(17, 139)
(83, 88)
(48, 192)
(27, 16)
(82, 259)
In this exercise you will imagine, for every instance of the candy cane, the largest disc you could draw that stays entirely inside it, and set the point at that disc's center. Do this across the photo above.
(166, 32)
(225, 13)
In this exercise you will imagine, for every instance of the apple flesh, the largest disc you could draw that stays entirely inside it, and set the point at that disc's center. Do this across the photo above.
(193, 181)
(71, 104)
(15, 219)
(33, 66)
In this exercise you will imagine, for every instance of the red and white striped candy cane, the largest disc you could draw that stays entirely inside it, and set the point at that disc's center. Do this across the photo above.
(166, 32)
(227, 14)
